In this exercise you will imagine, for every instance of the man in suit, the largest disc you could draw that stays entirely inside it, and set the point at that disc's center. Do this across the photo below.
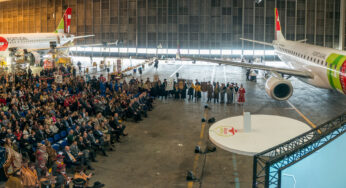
(85, 143)
(66, 122)
(69, 158)
(95, 142)
(40, 135)
(134, 112)
(79, 155)
(118, 128)
(70, 137)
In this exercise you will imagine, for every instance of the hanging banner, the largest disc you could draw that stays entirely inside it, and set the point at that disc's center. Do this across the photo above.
(204, 86)
(170, 84)
(58, 79)
(119, 65)
(189, 83)
(47, 64)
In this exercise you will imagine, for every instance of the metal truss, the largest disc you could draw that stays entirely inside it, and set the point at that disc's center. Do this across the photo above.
(267, 165)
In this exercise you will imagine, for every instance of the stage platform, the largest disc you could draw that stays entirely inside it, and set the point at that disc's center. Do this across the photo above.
(266, 131)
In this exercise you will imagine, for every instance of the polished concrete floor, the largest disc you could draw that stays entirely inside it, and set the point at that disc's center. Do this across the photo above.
(160, 149)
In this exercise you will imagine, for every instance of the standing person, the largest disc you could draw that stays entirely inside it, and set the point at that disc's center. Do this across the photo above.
(216, 92)
(209, 92)
(235, 91)
(247, 74)
(197, 91)
(223, 92)
(79, 64)
(229, 92)
(241, 92)
(176, 91)
(190, 91)
(29, 175)
(163, 89)
(183, 91)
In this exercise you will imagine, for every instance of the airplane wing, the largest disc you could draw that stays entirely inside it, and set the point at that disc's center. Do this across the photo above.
(83, 45)
(83, 36)
(99, 44)
(293, 72)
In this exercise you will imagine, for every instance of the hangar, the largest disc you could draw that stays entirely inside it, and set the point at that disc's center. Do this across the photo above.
(172, 93)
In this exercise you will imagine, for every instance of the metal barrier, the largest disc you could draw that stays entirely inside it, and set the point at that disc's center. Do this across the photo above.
(267, 165)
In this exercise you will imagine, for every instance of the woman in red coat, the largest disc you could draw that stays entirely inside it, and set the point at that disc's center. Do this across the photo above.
(241, 92)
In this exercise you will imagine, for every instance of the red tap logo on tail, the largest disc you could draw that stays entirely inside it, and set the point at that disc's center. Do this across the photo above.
(67, 20)
(278, 33)
(277, 21)
(3, 44)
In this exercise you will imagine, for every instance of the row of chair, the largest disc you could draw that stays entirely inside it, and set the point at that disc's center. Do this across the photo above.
(59, 140)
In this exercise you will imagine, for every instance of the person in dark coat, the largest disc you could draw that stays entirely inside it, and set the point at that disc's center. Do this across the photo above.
(209, 92)
(190, 91)
(183, 91)
(163, 89)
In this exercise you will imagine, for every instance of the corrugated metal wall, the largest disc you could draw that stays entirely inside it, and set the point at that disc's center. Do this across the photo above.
(194, 24)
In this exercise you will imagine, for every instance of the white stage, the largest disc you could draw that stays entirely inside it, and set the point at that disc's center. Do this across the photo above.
(266, 131)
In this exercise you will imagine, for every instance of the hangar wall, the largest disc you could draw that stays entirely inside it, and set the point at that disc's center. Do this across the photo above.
(193, 24)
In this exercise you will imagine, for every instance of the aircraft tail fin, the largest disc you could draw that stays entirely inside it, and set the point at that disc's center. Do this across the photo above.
(65, 22)
(278, 32)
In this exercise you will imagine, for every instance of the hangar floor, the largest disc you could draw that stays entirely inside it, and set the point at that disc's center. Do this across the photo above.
(160, 149)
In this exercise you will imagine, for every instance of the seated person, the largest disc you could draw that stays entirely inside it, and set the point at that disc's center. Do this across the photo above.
(69, 158)
(81, 178)
(70, 137)
(118, 128)
(83, 157)
(95, 143)
(28, 174)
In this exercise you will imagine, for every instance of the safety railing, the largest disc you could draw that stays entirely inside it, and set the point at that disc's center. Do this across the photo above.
(267, 164)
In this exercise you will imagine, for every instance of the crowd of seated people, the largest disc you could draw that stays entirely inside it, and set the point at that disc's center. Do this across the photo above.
(48, 128)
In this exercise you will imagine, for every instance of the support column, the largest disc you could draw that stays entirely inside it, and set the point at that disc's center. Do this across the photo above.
(342, 25)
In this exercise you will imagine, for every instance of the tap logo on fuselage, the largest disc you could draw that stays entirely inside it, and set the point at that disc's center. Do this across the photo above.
(3, 44)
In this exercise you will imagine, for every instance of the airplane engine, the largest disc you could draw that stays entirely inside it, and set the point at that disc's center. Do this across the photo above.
(278, 88)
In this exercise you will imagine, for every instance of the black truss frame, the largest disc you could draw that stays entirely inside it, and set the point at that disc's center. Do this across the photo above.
(268, 164)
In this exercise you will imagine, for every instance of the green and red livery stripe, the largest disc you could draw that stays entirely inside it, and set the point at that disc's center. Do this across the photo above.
(336, 72)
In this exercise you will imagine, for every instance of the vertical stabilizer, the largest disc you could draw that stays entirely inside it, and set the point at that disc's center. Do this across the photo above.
(278, 32)
(65, 22)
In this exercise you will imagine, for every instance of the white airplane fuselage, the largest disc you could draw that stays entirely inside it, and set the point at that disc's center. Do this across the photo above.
(327, 65)
(33, 40)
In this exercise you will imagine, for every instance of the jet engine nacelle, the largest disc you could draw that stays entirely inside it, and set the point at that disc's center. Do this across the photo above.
(278, 88)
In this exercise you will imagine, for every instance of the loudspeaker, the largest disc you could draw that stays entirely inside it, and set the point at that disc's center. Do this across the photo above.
(211, 120)
(197, 149)
(190, 176)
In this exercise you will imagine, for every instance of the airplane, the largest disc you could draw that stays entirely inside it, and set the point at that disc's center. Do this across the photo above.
(318, 66)
(34, 42)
